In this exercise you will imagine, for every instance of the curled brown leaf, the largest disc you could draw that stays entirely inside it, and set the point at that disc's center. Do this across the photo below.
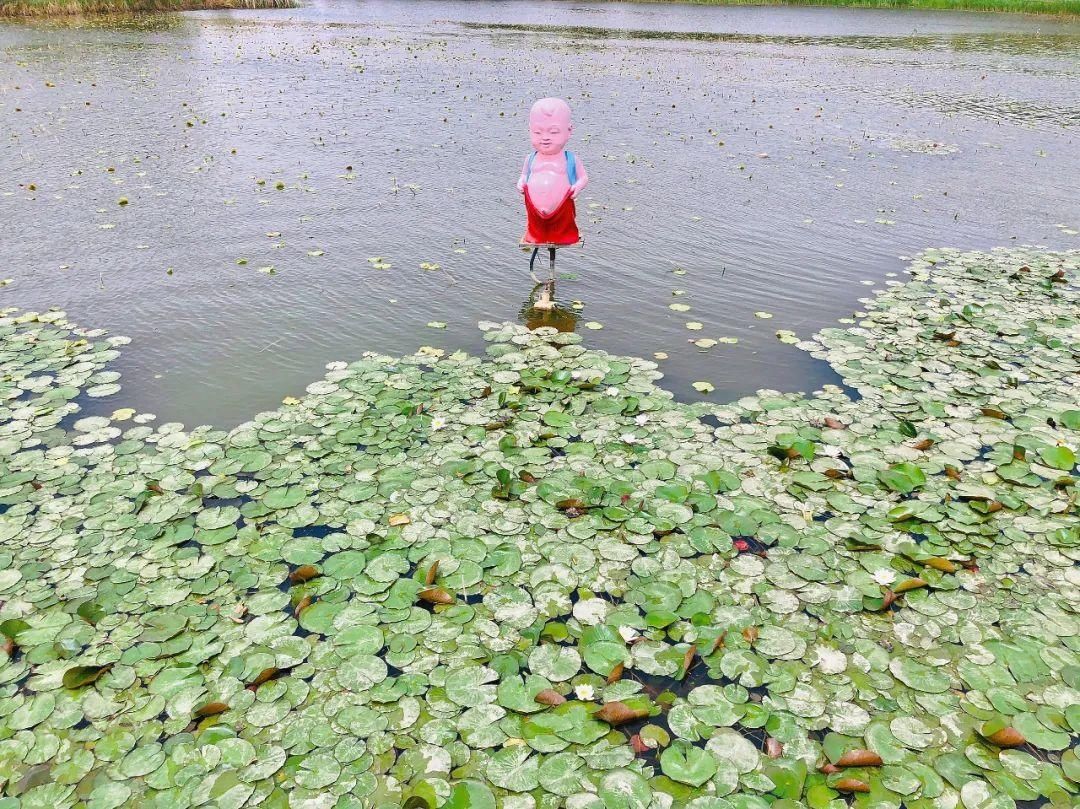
(262, 677)
(304, 573)
(1007, 737)
(210, 709)
(688, 660)
(619, 713)
(909, 584)
(859, 758)
(616, 674)
(550, 697)
(851, 785)
(937, 563)
(436, 595)
(719, 642)
(302, 605)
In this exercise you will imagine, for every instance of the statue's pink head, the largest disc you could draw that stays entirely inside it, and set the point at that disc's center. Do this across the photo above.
(549, 125)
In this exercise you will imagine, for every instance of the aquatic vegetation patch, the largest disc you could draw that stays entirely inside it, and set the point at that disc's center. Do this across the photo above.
(923, 146)
(535, 580)
(911, 144)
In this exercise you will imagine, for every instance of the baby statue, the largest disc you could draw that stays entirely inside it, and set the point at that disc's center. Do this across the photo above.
(552, 177)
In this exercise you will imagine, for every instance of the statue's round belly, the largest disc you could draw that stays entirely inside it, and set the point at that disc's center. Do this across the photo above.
(547, 190)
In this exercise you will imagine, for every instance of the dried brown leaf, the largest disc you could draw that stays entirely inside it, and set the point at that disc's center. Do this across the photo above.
(1007, 737)
(619, 713)
(436, 595)
(304, 573)
(909, 584)
(859, 758)
(210, 709)
(851, 785)
(263, 676)
(302, 605)
(432, 572)
(937, 563)
(550, 697)
(688, 660)
(719, 642)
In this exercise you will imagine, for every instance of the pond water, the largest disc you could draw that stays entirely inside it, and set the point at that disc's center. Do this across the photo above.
(760, 160)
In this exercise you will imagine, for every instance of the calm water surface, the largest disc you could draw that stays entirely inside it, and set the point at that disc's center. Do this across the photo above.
(757, 159)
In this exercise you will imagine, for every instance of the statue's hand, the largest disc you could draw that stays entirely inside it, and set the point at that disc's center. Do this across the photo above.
(574, 191)
(521, 187)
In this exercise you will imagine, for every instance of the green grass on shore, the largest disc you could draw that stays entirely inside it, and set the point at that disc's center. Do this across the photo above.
(1066, 8)
(50, 8)
(57, 8)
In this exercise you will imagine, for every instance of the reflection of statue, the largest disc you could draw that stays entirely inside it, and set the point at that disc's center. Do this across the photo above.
(552, 177)
(534, 314)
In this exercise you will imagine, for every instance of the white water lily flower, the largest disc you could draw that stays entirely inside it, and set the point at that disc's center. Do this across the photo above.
(830, 661)
(641, 419)
(885, 576)
(628, 633)
(628, 438)
(584, 692)
(437, 423)
(612, 392)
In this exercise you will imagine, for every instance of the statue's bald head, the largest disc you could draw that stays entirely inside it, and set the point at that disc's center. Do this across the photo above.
(550, 110)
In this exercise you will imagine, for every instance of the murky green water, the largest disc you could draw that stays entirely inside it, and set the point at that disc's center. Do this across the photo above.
(884, 133)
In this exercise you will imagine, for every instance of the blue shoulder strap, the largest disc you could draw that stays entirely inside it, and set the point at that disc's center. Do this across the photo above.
(528, 167)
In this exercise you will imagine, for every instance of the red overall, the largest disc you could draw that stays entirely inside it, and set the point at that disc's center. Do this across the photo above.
(558, 228)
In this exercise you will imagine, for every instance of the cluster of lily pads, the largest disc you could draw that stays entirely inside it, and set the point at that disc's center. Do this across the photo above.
(923, 146)
(534, 580)
(914, 145)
